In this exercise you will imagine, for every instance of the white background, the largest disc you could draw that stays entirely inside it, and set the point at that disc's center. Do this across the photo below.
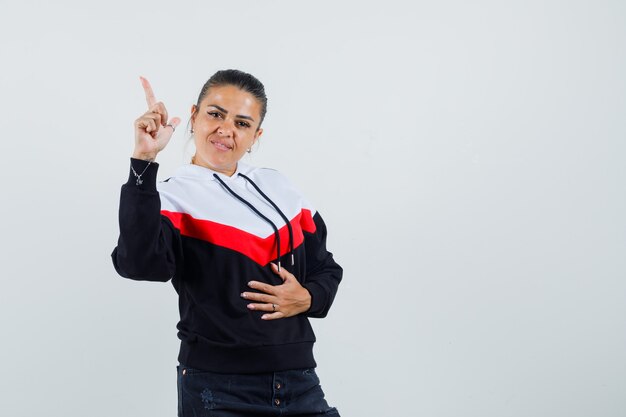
(468, 158)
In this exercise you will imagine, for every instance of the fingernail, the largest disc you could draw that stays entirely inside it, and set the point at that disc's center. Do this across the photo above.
(243, 295)
(250, 306)
(264, 317)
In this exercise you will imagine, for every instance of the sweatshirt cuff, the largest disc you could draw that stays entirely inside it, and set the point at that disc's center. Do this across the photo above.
(318, 298)
(147, 172)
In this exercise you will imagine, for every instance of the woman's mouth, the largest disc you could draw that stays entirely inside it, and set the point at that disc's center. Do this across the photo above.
(222, 146)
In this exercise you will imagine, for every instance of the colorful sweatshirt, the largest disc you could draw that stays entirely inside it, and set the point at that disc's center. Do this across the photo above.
(211, 234)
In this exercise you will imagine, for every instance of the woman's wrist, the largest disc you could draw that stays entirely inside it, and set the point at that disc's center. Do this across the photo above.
(144, 156)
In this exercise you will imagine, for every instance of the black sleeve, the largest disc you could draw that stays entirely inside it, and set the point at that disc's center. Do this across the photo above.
(323, 273)
(149, 246)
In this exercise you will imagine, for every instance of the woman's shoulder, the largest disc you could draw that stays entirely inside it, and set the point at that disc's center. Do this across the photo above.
(274, 182)
(268, 176)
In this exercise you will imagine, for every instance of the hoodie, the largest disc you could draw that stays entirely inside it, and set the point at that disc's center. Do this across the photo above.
(211, 234)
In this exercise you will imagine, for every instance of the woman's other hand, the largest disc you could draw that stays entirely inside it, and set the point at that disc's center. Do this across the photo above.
(152, 129)
(279, 301)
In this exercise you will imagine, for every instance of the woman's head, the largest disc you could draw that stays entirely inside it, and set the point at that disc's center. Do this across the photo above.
(226, 121)
(243, 81)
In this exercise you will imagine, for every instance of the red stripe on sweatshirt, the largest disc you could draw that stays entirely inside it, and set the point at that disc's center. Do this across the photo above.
(260, 250)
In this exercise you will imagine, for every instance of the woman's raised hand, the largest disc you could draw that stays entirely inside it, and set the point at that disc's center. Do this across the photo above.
(152, 129)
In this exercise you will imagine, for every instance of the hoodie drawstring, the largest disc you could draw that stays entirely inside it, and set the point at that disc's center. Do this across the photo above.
(254, 209)
(285, 219)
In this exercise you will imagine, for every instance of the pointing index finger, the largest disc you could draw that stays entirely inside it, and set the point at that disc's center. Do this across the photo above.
(147, 88)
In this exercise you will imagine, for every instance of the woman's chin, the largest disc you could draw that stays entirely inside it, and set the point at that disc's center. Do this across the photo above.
(226, 167)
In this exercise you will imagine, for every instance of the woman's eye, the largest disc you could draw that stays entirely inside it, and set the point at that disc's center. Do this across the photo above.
(243, 124)
(214, 114)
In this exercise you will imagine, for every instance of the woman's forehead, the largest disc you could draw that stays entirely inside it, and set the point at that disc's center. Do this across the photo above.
(230, 94)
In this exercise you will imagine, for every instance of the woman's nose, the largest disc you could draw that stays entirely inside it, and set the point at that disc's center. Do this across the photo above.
(226, 128)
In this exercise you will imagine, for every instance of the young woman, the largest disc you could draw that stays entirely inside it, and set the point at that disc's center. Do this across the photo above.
(245, 251)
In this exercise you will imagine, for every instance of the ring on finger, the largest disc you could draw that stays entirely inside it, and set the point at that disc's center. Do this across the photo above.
(274, 307)
(172, 126)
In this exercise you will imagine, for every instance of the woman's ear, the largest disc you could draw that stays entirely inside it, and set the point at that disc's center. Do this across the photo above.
(257, 135)
(194, 111)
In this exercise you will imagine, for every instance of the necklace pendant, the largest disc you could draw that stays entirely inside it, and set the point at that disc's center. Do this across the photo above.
(139, 181)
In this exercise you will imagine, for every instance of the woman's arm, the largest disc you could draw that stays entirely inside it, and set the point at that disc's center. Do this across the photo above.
(148, 246)
(323, 273)
(314, 297)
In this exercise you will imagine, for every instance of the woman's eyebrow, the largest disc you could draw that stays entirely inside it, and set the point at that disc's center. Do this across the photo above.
(223, 110)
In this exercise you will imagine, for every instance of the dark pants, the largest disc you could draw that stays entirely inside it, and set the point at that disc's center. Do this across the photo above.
(287, 393)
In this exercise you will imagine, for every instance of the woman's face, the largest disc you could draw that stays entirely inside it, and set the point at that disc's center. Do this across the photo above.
(225, 127)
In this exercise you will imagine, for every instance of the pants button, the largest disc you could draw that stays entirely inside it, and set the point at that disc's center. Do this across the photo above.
(184, 372)
(277, 401)
(278, 385)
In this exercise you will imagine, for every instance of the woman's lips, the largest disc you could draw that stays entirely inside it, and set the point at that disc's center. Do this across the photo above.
(221, 146)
